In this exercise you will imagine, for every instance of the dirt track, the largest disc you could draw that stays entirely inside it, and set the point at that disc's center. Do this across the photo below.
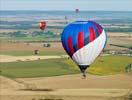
(69, 87)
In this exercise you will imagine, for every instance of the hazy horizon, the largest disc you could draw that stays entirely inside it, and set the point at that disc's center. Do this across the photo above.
(71, 10)
(66, 5)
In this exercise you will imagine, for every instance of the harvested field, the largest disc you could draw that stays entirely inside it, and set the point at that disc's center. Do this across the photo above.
(6, 58)
(112, 87)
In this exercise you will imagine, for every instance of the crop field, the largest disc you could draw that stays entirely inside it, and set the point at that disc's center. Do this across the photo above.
(106, 65)
(41, 68)
(110, 65)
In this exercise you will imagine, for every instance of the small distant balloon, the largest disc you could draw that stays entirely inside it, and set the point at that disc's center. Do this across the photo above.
(83, 41)
(77, 10)
(42, 25)
(66, 17)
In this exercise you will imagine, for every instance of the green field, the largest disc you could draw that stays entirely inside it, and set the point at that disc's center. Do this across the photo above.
(110, 65)
(53, 67)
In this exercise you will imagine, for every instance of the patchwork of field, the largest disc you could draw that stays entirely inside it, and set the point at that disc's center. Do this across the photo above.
(60, 65)
(51, 75)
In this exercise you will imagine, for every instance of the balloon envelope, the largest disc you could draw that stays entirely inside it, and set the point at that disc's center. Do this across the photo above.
(83, 41)
(42, 25)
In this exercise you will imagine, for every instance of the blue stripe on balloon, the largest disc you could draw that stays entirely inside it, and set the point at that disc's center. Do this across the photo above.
(86, 35)
(65, 39)
(96, 30)
(74, 36)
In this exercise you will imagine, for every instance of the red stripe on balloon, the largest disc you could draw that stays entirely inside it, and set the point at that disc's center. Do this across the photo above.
(80, 40)
(70, 45)
(92, 34)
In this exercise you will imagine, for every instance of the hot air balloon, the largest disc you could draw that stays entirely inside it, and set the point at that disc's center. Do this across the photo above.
(77, 14)
(42, 25)
(83, 41)
(77, 10)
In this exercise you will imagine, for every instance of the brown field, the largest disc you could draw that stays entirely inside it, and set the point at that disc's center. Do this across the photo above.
(68, 87)
(94, 87)
(117, 34)
(20, 46)
(6, 58)
(118, 41)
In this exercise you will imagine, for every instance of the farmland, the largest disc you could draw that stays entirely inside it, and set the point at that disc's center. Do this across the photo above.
(51, 74)
(106, 65)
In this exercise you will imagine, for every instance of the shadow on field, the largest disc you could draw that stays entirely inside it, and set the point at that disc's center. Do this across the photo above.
(47, 90)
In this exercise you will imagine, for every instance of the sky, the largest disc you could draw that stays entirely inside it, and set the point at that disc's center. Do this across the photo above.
(98, 5)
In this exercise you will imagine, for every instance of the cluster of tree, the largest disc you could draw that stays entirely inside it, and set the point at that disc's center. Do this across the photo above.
(118, 29)
(56, 27)
(17, 24)
(40, 33)
(130, 52)
(17, 34)
(115, 21)
(24, 34)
